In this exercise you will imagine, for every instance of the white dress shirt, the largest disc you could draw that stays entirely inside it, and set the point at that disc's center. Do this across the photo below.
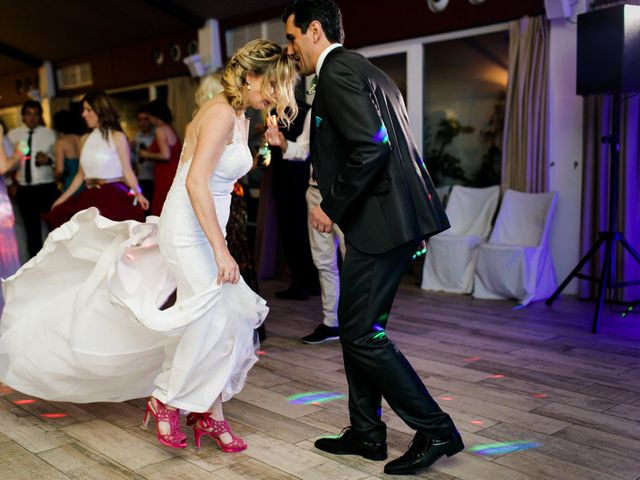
(324, 54)
(43, 140)
(298, 151)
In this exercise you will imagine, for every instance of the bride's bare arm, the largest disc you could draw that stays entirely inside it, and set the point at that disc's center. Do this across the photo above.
(213, 131)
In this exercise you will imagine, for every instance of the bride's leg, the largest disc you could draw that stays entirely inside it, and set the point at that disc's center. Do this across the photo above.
(164, 427)
(167, 421)
(216, 414)
(213, 424)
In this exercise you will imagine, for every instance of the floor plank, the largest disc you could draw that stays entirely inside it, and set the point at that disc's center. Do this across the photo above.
(534, 394)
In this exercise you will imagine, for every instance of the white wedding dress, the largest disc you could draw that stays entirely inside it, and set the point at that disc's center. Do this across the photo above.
(82, 320)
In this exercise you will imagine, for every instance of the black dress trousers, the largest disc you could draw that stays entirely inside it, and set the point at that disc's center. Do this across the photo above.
(374, 365)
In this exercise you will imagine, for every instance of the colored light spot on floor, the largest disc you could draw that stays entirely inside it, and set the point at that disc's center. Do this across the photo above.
(25, 401)
(54, 415)
(503, 448)
(472, 359)
(314, 398)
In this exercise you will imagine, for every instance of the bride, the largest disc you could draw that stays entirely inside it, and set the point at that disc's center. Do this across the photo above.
(83, 320)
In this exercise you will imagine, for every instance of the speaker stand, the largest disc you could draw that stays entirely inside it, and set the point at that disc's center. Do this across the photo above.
(610, 238)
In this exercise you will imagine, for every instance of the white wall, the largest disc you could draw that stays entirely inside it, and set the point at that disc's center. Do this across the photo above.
(565, 149)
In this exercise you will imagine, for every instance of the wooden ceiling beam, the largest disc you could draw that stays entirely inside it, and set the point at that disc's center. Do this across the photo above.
(19, 55)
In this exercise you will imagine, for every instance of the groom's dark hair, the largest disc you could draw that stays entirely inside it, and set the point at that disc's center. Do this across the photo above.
(324, 11)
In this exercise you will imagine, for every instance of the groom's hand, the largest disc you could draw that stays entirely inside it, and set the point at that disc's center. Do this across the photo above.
(320, 221)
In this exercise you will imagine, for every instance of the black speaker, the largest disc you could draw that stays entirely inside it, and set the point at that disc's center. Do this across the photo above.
(609, 51)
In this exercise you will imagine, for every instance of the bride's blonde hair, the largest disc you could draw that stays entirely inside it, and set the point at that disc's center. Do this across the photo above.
(262, 57)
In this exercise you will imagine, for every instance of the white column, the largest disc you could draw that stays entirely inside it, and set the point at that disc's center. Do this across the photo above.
(565, 149)
(415, 91)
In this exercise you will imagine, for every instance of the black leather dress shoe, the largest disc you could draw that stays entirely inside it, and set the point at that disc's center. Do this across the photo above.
(347, 443)
(424, 452)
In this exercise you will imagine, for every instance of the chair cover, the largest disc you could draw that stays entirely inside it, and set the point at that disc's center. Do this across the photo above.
(516, 262)
(450, 260)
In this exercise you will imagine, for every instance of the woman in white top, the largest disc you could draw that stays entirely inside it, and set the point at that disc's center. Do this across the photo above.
(85, 320)
(105, 169)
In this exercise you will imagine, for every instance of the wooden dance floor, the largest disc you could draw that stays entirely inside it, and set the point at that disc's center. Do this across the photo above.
(533, 392)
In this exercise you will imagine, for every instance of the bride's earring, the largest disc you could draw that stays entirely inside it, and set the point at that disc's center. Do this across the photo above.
(248, 86)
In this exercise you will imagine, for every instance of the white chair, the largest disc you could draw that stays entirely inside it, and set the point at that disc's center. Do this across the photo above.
(451, 256)
(516, 262)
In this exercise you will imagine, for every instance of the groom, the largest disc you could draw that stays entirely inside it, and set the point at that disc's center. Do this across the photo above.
(375, 186)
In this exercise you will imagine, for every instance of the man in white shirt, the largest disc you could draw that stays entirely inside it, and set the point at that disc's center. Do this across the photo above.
(36, 177)
(324, 246)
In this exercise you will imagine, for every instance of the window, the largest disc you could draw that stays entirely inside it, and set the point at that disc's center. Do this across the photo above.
(465, 83)
(395, 66)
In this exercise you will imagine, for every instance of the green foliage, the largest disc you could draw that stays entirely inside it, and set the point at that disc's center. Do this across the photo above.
(491, 137)
(443, 165)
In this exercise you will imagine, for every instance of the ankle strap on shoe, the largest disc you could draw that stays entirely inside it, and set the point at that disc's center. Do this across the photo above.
(218, 427)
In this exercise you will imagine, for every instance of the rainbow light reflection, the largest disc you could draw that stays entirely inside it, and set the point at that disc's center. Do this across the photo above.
(419, 253)
(502, 448)
(314, 398)
(382, 136)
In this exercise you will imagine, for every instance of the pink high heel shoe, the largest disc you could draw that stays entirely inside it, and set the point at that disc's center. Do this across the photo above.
(175, 438)
(218, 427)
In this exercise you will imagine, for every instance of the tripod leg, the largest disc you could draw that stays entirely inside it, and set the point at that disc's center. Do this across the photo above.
(576, 270)
(604, 282)
(630, 249)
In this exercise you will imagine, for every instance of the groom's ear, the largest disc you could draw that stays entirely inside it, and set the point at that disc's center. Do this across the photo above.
(315, 28)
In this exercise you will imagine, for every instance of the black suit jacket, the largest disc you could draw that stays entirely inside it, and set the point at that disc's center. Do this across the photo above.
(290, 179)
(373, 182)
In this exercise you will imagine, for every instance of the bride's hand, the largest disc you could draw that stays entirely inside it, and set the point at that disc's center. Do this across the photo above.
(228, 270)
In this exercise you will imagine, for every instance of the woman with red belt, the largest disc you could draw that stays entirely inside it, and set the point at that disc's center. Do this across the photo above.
(164, 151)
(105, 170)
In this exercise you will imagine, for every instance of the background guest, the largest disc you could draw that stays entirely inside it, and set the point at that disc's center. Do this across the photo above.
(143, 139)
(105, 169)
(164, 152)
(67, 147)
(325, 246)
(289, 184)
(35, 176)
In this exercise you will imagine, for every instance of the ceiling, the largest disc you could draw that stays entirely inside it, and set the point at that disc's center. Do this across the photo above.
(37, 30)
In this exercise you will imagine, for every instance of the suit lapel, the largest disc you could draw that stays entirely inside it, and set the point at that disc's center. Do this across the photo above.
(316, 120)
